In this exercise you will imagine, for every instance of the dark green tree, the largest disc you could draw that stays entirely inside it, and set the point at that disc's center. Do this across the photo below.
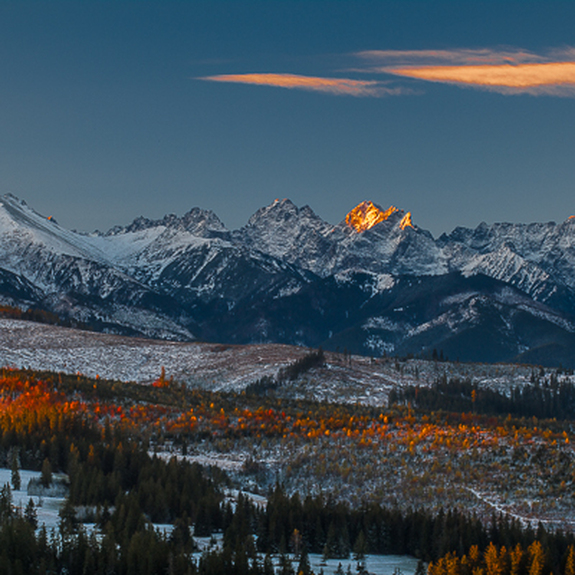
(46, 473)
(30, 514)
(304, 566)
(15, 479)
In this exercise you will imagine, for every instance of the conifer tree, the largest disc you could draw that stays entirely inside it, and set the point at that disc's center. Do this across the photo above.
(46, 473)
(15, 478)
(30, 514)
(5, 502)
(286, 567)
(304, 566)
(536, 558)
(360, 548)
(269, 566)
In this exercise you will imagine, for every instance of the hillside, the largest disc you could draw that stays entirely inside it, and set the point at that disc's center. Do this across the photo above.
(218, 367)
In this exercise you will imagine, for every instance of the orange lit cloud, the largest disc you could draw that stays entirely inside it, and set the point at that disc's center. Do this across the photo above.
(510, 71)
(504, 70)
(550, 78)
(335, 86)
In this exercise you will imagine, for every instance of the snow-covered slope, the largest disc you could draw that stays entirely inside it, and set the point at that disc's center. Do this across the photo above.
(67, 272)
(537, 258)
(22, 227)
(229, 367)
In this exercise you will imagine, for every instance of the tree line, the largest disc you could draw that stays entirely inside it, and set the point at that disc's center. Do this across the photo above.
(545, 399)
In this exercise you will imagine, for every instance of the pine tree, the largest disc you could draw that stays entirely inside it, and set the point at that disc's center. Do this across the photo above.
(269, 566)
(304, 566)
(5, 502)
(360, 548)
(516, 556)
(30, 514)
(67, 524)
(16, 483)
(285, 565)
(492, 564)
(46, 473)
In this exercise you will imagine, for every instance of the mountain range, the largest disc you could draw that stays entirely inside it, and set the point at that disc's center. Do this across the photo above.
(373, 284)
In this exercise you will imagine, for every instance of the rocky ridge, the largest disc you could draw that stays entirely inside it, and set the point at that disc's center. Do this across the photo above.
(374, 283)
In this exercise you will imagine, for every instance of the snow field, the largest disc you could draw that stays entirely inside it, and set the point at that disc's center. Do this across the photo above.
(47, 507)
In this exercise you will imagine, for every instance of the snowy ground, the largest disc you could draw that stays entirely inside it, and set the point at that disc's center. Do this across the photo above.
(375, 564)
(46, 507)
(233, 367)
(227, 461)
(213, 366)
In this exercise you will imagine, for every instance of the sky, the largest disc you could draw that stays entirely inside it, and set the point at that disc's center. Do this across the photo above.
(460, 112)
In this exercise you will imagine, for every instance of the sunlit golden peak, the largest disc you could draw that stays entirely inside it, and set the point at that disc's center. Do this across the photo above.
(366, 215)
(406, 221)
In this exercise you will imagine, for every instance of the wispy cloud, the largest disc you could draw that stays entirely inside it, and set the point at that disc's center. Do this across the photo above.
(503, 70)
(486, 56)
(335, 86)
(507, 71)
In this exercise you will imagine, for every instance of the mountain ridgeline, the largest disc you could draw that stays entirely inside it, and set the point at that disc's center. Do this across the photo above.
(374, 284)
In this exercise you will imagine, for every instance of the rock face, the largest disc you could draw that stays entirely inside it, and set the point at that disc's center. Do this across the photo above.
(374, 283)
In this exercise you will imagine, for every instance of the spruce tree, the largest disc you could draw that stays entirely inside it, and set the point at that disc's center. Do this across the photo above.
(30, 514)
(304, 566)
(16, 483)
(46, 473)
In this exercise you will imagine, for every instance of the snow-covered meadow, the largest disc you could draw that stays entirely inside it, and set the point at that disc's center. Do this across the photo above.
(47, 507)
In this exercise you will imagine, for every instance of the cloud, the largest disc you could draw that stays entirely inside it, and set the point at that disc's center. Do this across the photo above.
(507, 71)
(335, 86)
(554, 78)
(485, 56)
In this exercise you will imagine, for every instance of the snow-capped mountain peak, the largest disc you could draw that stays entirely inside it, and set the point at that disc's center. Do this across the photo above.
(22, 227)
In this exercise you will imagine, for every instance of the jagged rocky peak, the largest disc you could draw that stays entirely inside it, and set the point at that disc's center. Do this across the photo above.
(197, 221)
(281, 211)
(201, 222)
(367, 214)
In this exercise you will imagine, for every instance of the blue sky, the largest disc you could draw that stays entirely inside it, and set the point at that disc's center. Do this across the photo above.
(113, 109)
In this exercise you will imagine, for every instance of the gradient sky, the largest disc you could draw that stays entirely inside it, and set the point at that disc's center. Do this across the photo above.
(459, 112)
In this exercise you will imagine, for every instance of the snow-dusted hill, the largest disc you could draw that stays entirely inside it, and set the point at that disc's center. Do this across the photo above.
(24, 344)
(374, 283)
